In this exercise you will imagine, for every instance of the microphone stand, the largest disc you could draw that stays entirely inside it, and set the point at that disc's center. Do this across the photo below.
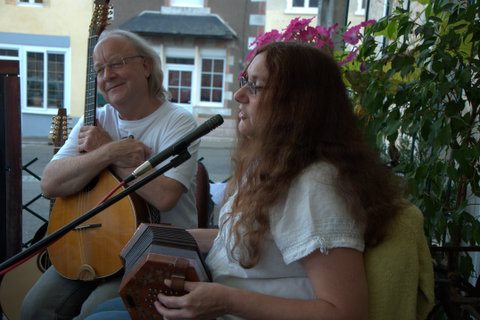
(182, 156)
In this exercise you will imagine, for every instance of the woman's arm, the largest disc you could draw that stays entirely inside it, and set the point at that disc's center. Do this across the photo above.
(338, 279)
(204, 238)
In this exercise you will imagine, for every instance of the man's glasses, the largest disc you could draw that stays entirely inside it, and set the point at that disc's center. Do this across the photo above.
(252, 87)
(115, 64)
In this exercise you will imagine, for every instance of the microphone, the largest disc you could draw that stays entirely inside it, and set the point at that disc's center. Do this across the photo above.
(177, 147)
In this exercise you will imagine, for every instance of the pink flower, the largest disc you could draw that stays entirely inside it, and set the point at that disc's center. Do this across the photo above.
(319, 36)
(267, 37)
(332, 29)
(323, 31)
(352, 35)
(368, 23)
(349, 57)
(298, 24)
(319, 43)
(307, 35)
(294, 27)
(262, 40)
(324, 36)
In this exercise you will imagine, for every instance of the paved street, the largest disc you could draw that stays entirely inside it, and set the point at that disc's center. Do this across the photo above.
(37, 152)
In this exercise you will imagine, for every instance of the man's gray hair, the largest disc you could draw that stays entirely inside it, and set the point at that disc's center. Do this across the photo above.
(155, 81)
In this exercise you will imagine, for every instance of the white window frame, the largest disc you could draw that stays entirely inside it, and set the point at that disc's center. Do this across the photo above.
(250, 44)
(30, 3)
(181, 53)
(10, 47)
(211, 103)
(22, 58)
(182, 67)
(187, 3)
(360, 8)
(305, 10)
(197, 55)
(217, 54)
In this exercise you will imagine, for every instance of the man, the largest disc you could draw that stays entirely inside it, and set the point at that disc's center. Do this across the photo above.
(136, 123)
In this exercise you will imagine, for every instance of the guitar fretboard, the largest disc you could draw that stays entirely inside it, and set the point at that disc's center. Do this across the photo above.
(91, 85)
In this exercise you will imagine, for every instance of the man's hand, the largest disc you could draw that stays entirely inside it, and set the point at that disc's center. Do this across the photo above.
(128, 153)
(91, 138)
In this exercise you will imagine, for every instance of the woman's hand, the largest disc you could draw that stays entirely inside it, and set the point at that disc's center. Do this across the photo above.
(204, 300)
(338, 279)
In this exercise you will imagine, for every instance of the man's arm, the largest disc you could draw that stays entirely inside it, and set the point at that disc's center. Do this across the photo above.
(69, 175)
(162, 192)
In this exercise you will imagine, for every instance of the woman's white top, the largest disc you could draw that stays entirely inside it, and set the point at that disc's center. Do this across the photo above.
(311, 217)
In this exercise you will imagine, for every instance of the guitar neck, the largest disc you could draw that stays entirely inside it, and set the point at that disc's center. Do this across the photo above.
(91, 86)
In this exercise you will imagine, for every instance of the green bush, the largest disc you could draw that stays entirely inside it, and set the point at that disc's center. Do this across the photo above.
(415, 86)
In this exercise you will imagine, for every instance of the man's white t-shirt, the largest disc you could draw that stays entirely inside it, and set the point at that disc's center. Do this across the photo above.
(159, 130)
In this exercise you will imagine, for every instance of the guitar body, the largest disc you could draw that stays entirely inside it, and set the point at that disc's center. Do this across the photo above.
(16, 283)
(92, 249)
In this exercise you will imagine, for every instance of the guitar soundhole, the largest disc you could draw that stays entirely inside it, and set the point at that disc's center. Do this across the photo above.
(43, 261)
(89, 187)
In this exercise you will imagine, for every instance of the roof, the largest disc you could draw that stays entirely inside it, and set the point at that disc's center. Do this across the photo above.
(159, 24)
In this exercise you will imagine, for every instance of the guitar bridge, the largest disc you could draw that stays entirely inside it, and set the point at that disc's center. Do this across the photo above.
(88, 226)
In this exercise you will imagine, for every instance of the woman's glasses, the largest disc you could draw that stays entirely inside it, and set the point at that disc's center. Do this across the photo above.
(252, 87)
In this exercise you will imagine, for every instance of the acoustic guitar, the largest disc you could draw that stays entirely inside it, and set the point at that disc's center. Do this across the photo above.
(16, 283)
(92, 249)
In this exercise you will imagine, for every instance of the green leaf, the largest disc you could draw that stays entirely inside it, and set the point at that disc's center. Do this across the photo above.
(424, 2)
(391, 30)
(428, 8)
(452, 108)
(444, 135)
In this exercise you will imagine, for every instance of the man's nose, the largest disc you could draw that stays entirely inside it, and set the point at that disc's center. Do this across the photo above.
(107, 72)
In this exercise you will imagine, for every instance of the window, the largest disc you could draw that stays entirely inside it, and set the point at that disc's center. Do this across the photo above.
(42, 76)
(55, 80)
(211, 83)
(305, 3)
(35, 80)
(306, 6)
(250, 43)
(8, 52)
(195, 77)
(187, 3)
(44, 67)
(180, 86)
(361, 5)
(30, 1)
(45, 81)
(179, 79)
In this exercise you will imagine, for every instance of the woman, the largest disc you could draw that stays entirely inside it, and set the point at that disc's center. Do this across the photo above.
(306, 196)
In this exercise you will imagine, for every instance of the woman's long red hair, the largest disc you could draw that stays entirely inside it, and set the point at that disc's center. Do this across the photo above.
(305, 116)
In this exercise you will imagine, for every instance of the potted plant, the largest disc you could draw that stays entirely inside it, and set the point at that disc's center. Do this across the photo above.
(416, 87)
